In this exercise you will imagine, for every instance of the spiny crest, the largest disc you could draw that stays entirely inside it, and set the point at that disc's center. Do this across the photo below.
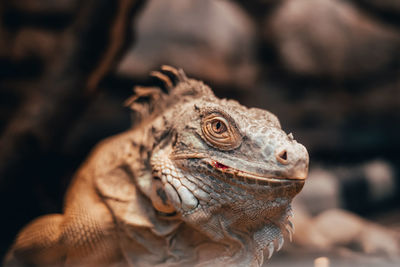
(171, 86)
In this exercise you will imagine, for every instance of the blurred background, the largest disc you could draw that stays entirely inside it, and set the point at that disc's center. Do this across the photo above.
(329, 69)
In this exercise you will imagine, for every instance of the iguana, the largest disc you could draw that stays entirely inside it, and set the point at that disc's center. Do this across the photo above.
(198, 181)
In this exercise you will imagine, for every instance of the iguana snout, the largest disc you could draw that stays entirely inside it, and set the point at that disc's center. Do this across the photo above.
(293, 157)
(270, 152)
(284, 157)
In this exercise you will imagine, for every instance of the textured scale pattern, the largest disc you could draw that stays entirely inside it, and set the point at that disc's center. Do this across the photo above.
(198, 180)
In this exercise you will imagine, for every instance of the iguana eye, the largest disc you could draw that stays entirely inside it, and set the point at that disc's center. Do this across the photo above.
(220, 132)
(218, 126)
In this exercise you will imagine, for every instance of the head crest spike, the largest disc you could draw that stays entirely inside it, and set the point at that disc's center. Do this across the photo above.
(152, 93)
(176, 75)
(151, 100)
(144, 102)
(165, 80)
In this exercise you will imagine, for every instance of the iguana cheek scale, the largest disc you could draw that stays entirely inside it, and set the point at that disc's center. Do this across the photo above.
(198, 181)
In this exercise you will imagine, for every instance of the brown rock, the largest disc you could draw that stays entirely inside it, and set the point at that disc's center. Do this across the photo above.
(211, 40)
(321, 192)
(331, 38)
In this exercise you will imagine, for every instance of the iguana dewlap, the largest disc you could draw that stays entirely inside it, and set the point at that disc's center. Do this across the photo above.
(200, 180)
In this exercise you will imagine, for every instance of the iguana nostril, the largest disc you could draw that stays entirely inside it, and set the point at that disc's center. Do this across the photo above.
(282, 157)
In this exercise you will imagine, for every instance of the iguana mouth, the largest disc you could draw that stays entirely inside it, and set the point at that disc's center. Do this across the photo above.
(250, 177)
(244, 176)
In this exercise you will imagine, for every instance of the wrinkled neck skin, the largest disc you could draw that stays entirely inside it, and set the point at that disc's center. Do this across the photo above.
(248, 221)
(220, 221)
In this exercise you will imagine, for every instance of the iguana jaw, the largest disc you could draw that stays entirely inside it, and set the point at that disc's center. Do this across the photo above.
(245, 176)
(254, 178)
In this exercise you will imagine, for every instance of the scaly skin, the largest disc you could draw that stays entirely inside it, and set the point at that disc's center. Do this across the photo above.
(199, 181)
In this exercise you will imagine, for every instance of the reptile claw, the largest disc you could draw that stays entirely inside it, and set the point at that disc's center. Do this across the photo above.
(280, 242)
(289, 231)
(271, 248)
(291, 225)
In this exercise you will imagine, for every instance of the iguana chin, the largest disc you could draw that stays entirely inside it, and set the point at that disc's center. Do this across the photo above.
(200, 180)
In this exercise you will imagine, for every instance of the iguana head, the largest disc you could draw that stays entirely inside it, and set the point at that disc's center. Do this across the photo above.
(227, 170)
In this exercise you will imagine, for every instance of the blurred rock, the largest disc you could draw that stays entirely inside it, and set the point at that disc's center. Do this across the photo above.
(306, 235)
(344, 228)
(210, 40)
(336, 228)
(381, 179)
(331, 38)
(362, 188)
(377, 239)
(321, 192)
